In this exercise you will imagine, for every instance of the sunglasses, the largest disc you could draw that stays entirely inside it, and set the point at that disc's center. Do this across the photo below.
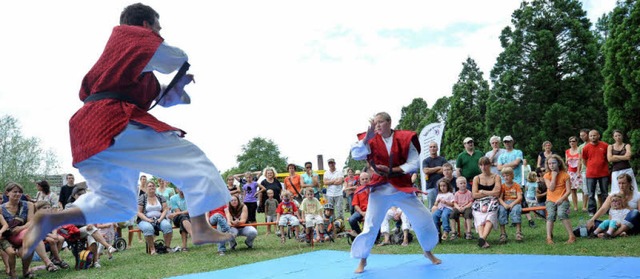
(470, 142)
(572, 141)
(506, 141)
(307, 168)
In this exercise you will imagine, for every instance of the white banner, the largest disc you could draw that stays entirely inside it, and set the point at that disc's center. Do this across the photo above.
(431, 132)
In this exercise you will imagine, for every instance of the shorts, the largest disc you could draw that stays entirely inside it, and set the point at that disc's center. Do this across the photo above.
(312, 220)
(288, 219)
(560, 211)
(4, 244)
(467, 213)
(270, 218)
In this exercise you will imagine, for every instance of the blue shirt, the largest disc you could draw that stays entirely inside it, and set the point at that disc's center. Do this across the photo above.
(176, 202)
(510, 156)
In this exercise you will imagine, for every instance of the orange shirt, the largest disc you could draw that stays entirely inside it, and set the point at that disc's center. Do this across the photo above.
(296, 183)
(510, 193)
(561, 186)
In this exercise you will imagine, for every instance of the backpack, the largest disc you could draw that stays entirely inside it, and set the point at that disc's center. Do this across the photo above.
(160, 247)
(70, 233)
(86, 259)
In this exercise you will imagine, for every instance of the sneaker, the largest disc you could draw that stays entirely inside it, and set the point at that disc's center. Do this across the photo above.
(453, 236)
(591, 214)
(97, 265)
(112, 250)
(221, 253)
(233, 244)
(177, 249)
(532, 224)
(250, 246)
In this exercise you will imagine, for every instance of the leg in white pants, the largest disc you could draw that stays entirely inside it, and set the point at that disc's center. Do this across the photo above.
(112, 174)
(381, 199)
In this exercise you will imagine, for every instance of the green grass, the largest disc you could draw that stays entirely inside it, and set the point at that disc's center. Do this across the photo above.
(134, 263)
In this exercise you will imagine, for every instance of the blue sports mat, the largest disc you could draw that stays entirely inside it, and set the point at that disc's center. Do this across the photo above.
(338, 264)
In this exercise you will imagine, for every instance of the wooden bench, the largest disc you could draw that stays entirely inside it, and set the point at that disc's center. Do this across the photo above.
(243, 225)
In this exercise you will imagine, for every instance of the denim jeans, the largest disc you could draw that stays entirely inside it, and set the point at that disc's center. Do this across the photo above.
(603, 183)
(431, 196)
(515, 211)
(353, 221)
(148, 230)
(633, 222)
(442, 215)
(221, 223)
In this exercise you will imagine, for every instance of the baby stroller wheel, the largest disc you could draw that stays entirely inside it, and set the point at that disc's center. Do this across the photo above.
(120, 244)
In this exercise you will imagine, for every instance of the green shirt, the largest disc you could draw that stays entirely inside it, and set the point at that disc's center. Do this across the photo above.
(469, 164)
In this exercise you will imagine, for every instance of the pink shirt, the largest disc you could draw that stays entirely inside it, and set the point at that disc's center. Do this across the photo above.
(463, 199)
(448, 197)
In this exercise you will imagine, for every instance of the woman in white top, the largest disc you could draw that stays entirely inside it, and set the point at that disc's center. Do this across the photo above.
(630, 224)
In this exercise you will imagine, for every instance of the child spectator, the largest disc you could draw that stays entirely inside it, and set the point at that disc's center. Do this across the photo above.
(617, 213)
(312, 210)
(53, 240)
(108, 232)
(287, 213)
(217, 217)
(328, 220)
(270, 205)
(443, 206)
(559, 187)
(530, 189)
(510, 198)
(249, 191)
(462, 202)
(447, 171)
(396, 214)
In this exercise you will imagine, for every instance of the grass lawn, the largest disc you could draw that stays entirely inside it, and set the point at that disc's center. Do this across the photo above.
(134, 263)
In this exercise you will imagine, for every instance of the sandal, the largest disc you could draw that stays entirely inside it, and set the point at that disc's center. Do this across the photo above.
(282, 240)
(453, 236)
(503, 238)
(29, 274)
(61, 263)
(481, 242)
(51, 268)
(468, 236)
(185, 249)
(519, 236)
(384, 243)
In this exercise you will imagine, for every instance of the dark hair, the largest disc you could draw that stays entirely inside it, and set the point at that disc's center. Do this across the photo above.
(446, 181)
(585, 130)
(292, 165)
(46, 189)
(308, 163)
(137, 14)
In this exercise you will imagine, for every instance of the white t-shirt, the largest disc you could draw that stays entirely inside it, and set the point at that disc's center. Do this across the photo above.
(336, 189)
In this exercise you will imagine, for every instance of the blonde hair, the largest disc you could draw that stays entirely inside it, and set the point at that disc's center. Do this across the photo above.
(532, 177)
(275, 174)
(506, 170)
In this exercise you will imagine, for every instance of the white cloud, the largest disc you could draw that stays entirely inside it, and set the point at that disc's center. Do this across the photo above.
(306, 75)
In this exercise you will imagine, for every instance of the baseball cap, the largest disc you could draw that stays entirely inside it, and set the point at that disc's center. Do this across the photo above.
(507, 138)
(331, 160)
(467, 139)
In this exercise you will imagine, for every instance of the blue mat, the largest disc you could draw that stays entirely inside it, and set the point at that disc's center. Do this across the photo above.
(338, 264)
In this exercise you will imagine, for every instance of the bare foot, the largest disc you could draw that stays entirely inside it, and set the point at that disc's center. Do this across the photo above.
(39, 229)
(210, 236)
(431, 257)
(360, 268)
(549, 241)
(571, 240)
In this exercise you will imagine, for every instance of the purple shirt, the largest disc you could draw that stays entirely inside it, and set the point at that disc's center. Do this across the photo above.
(250, 190)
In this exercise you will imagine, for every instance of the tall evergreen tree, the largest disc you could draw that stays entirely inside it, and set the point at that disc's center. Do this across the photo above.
(547, 82)
(622, 74)
(467, 110)
(412, 116)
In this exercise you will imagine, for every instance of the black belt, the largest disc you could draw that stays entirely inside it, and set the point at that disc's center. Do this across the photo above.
(110, 95)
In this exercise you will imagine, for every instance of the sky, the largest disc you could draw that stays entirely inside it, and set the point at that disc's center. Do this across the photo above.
(307, 75)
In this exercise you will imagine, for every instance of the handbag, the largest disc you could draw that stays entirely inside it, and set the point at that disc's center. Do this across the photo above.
(16, 238)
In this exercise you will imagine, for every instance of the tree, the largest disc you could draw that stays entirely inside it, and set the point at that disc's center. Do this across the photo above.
(412, 116)
(439, 111)
(22, 160)
(466, 114)
(355, 164)
(260, 153)
(547, 82)
(622, 74)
